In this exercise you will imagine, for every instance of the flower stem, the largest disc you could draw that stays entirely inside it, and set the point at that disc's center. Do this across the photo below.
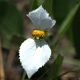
(23, 76)
(2, 74)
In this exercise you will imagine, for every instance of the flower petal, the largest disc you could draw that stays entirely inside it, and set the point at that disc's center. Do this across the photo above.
(42, 53)
(33, 55)
(41, 19)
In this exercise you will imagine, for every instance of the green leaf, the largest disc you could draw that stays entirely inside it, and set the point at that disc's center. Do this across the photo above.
(10, 21)
(76, 32)
(33, 4)
(55, 68)
(60, 9)
(40, 2)
(66, 23)
(48, 5)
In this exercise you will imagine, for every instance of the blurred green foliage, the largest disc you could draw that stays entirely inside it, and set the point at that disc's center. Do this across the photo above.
(11, 22)
(55, 68)
(66, 13)
(66, 24)
(76, 33)
(62, 7)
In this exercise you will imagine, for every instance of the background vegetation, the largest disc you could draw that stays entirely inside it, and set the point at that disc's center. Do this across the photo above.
(64, 38)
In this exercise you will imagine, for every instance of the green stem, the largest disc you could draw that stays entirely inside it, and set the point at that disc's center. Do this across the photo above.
(24, 74)
(2, 72)
(73, 70)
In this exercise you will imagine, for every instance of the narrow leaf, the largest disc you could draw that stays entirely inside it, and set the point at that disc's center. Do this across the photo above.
(76, 32)
(33, 4)
(55, 67)
(48, 5)
(66, 23)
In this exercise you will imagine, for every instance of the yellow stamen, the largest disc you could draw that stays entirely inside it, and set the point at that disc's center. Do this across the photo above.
(38, 34)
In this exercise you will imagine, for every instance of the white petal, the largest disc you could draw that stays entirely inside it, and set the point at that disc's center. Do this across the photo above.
(41, 19)
(33, 55)
(42, 53)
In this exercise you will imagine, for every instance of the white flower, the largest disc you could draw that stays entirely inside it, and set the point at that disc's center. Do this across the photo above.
(34, 53)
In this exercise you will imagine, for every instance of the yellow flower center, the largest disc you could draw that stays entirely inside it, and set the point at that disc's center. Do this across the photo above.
(38, 34)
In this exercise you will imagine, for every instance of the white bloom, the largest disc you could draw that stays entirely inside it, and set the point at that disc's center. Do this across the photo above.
(41, 19)
(34, 53)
